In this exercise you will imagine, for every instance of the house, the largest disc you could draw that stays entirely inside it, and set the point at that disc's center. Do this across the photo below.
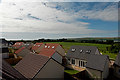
(35, 66)
(57, 47)
(84, 50)
(4, 52)
(3, 42)
(18, 45)
(10, 73)
(23, 51)
(117, 66)
(89, 59)
(28, 45)
(51, 53)
(37, 46)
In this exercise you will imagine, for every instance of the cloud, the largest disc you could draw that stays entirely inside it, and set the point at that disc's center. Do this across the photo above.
(44, 18)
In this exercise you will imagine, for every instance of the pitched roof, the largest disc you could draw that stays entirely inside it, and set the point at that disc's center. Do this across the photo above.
(51, 45)
(18, 44)
(23, 52)
(31, 64)
(10, 72)
(28, 45)
(36, 46)
(93, 61)
(77, 50)
(117, 61)
(47, 52)
(19, 50)
(97, 62)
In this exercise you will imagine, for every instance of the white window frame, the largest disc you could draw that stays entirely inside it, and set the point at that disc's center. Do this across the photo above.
(72, 60)
(82, 63)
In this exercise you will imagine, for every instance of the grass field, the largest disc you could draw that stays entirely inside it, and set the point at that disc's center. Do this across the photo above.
(101, 47)
(71, 72)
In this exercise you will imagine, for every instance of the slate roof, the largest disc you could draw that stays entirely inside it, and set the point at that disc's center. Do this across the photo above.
(93, 61)
(117, 61)
(97, 62)
(9, 72)
(47, 52)
(28, 45)
(31, 64)
(23, 52)
(83, 50)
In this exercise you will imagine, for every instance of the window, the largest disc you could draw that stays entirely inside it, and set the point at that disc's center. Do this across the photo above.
(73, 61)
(53, 46)
(68, 59)
(45, 46)
(81, 51)
(119, 70)
(48, 46)
(73, 50)
(82, 63)
(88, 51)
(38, 45)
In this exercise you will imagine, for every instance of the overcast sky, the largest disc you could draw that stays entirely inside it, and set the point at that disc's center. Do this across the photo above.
(21, 19)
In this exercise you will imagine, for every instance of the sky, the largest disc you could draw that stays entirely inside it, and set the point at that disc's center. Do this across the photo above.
(20, 19)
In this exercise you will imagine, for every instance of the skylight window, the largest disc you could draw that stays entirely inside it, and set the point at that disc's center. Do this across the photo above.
(53, 46)
(73, 50)
(38, 45)
(48, 46)
(45, 46)
(88, 51)
(81, 51)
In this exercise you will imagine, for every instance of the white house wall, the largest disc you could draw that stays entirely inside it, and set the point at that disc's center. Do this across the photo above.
(57, 57)
(51, 70)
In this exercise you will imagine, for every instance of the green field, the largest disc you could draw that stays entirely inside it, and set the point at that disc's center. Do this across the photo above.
(101, 47)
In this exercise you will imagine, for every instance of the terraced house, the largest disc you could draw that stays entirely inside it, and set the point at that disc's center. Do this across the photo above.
(90, 59)
(18, 45)
(36, 66)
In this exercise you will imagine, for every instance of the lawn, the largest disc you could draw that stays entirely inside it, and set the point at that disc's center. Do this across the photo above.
(71, 72)
(101, 47)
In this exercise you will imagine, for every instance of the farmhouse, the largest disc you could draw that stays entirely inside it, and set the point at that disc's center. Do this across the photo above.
(18, 45)
(57, 47)
(37, 46)
(35, 66)
(89, 59)
(23, 51)
(117, 66)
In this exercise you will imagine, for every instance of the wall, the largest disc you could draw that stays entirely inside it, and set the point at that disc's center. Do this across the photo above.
(51, 70)
(116, 71)
(106, 69)
(94, 73)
